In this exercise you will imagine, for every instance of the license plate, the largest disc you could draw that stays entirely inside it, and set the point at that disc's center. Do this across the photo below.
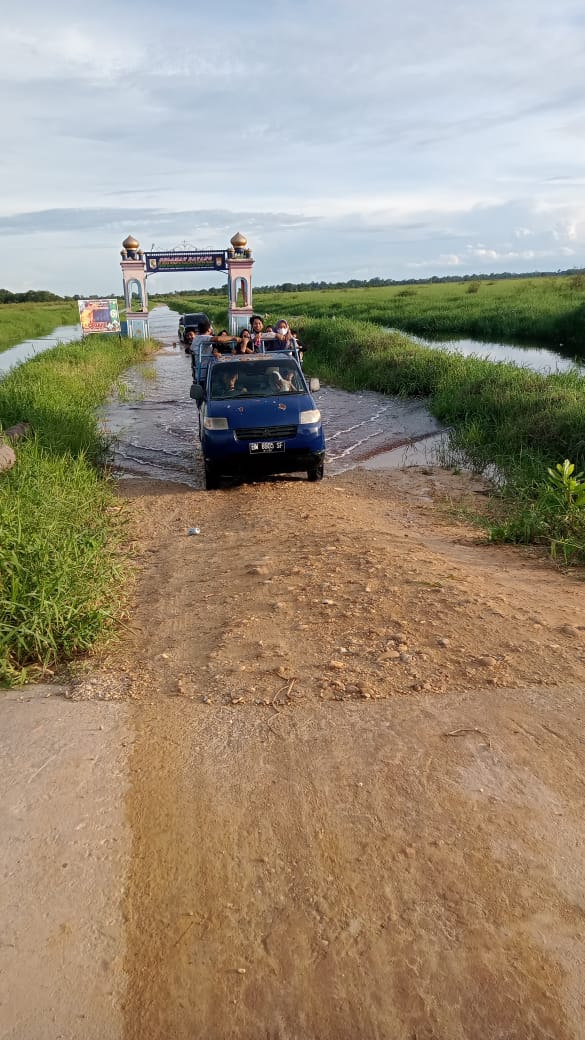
(265, 447)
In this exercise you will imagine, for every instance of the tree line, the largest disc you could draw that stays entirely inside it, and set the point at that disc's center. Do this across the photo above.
(30, 296)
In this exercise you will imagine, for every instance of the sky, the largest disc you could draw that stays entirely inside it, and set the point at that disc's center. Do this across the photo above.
(344, 138)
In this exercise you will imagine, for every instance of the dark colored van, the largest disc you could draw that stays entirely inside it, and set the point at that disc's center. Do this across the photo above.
(257, 417)
(190, 321)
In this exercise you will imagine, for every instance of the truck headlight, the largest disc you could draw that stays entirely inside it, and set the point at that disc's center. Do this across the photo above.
(309, 418)
(220, 423)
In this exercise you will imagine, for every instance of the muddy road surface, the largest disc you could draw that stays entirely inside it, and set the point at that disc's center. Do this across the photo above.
(340, 752)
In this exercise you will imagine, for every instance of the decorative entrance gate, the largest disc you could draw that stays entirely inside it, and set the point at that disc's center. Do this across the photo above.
(137, 266)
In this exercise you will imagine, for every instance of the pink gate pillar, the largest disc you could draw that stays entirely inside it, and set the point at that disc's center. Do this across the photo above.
(134, 278)
(239, 264)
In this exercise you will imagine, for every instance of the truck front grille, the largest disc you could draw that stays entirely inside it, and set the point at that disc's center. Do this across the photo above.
(265, 433)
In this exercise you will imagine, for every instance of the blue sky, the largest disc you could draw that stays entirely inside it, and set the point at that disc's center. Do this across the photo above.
(344, 139)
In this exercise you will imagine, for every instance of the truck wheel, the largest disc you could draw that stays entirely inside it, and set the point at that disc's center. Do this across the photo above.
(211, 479)
(315, 473)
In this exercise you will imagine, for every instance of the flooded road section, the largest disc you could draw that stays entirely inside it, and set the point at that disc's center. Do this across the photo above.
(153, 421)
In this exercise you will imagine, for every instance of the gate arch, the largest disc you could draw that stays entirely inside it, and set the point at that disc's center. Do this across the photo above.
(137, 266)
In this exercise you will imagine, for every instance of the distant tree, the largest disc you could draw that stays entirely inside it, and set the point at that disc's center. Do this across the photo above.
(30, 296)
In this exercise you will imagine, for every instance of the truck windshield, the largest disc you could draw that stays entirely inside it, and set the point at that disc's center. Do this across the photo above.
(255, 378)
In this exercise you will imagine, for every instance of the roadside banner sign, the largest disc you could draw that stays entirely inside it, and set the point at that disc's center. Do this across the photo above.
(195, 260)
(99, 316)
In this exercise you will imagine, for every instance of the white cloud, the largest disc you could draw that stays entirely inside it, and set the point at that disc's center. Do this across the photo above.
(35, 53)
(388, 136)
(504, 256)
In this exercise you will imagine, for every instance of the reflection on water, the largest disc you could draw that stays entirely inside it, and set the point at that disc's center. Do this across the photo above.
(155, 431)
(539, 359)
(31, 347)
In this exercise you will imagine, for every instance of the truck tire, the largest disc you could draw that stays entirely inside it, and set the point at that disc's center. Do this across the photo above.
(211, 479)
(315, 472)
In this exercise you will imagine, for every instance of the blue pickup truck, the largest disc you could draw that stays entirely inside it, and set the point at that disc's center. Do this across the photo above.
(257, 417)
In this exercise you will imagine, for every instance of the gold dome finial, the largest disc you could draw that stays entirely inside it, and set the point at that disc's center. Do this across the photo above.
(239, 240)
(131, 243)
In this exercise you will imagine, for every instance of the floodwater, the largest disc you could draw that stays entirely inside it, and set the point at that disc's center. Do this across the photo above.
(153, 423)
(31, 347)
(539, 359)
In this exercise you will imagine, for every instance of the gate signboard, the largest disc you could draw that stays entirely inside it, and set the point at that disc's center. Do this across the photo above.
(99, 316)
(195, 260)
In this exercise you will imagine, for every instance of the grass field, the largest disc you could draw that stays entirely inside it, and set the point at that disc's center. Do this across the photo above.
(20, 321)
(547, 310)
(61, 571)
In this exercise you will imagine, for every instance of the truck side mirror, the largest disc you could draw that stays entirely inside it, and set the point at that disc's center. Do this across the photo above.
(314, 384)
(196, 393)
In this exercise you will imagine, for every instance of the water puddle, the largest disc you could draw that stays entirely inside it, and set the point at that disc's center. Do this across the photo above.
(31, 347)
(154, 426)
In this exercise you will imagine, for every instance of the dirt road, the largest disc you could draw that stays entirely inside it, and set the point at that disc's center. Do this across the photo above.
(354, 786)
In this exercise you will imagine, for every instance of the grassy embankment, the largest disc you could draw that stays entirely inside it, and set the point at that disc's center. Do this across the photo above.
(22, 321)
(61, 528)
(549, 310)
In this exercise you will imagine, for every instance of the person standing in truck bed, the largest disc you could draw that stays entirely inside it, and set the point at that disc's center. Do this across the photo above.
(257, 329)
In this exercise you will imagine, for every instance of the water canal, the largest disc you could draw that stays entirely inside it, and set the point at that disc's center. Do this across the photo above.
(540, 359)
(31, 347)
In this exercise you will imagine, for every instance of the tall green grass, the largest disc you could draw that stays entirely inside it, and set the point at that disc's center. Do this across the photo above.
(61, 574)
(550, 310)
(61, 571)
(22, 321)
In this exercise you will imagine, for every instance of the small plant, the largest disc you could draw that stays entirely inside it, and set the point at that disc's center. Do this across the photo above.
(551, 513)
(570, 488)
